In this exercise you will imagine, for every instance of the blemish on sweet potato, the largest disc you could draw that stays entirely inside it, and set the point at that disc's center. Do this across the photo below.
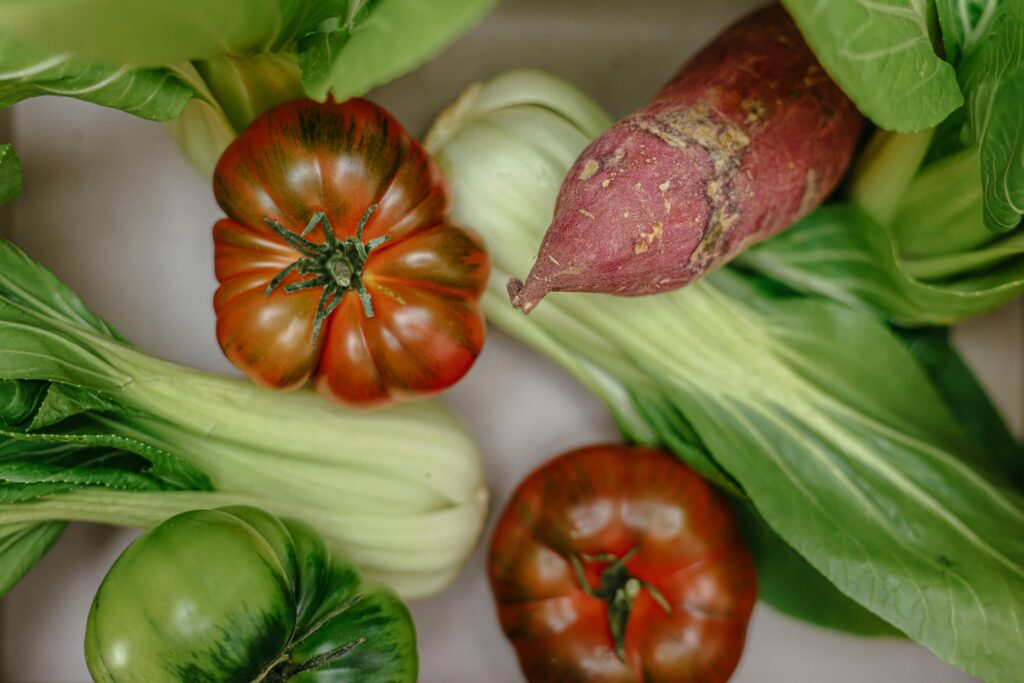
(811, 191)
(724, 143)
(754, 108)
(589, 169)
(647, 238)
(701, 126)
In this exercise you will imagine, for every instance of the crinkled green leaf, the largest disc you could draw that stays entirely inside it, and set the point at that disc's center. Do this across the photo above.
(963, 23)
(90, 432)
(985, 39)
(10, 174)
(841, 253)
(1002, 147)
(25, 72)
(96, 467)
(162, 33)
(379, 40)
(20, 400)
(62, 401)
(881, 55)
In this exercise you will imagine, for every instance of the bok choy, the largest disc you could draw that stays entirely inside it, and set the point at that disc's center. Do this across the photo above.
(93, 429)
(929, 230)
(817, 414)
(217, 65)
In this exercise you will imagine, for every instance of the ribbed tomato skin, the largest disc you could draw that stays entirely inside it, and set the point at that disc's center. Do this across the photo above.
(685, 544)
(425, 282)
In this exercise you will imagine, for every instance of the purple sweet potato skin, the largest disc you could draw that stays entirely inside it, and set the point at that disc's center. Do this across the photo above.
(747, 138)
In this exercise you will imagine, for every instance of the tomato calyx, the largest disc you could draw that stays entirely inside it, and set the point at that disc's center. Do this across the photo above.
(336, 265)
(618, 588)
(283, 669)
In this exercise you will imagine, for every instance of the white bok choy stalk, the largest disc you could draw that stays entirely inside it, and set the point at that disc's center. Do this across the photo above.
(92, 429)
(817, 414)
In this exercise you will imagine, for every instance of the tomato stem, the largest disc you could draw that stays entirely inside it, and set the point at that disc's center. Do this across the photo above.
(618, 588)
(336, 265)
(284, 670)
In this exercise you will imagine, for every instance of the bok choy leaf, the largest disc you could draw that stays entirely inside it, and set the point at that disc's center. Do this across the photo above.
(914, 240)
(10, 174)
(26, 71)
(985, 39)
(817, 413)
(235, 59)
(882, 55)
(92, 429)
(842, 253)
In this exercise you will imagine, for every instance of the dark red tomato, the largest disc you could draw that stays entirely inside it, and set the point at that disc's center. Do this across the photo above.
(616, 563)
(336, 262)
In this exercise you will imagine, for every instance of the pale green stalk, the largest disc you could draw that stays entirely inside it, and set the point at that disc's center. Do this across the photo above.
(816, 414)
(400, 491)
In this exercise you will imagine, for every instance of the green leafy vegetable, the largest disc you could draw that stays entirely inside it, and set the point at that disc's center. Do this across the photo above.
(21, 546)
(380, 40)
(992, 78)
(995, 90)
(935, 241)
(92, 429)
(841, 253)
(161, 34)
(786, 582)
(881, 55)
(963, 23)
(231, 92)
(10, 174)
(911, 244)
(1001, 454)
(25, 72)
(817, 412)
(237, 59)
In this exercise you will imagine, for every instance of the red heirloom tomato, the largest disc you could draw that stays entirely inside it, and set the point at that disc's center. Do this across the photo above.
(336, 262)
(616, 563)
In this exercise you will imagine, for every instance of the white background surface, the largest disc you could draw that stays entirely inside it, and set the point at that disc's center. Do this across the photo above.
(117, 213)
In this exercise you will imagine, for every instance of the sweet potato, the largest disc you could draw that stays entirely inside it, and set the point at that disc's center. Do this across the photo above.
(748, 137)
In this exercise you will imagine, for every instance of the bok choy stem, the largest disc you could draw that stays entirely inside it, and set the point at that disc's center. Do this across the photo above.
(400, 491)
(816, 413)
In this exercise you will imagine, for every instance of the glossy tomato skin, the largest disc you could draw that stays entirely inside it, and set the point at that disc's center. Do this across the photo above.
(679, 538)
(424, 282)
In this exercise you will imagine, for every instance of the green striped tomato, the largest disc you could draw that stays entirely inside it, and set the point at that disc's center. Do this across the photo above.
(238, 595)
